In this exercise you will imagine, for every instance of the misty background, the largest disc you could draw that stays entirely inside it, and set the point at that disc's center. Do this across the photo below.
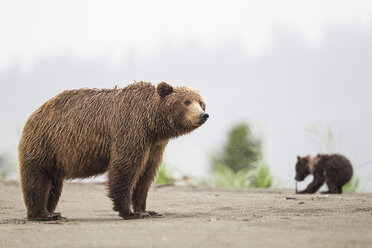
(282, 66)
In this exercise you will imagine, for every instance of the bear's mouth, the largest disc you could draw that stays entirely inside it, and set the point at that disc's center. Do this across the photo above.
(198, 122)
(201, 122)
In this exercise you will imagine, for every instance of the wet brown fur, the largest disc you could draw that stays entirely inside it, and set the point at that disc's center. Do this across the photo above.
(334, 169)
(86, 132)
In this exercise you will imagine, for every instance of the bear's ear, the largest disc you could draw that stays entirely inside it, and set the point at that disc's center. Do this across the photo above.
(164, 89)
(298, 157)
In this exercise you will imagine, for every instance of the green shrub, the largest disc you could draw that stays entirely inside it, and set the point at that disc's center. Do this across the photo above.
(8, 167)
(224, 176)
(241, 151)
(163, 176)
(262, 177)
(240, 164)
(352, 185)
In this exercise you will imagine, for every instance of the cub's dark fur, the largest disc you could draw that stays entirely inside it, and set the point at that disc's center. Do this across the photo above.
(334, 169)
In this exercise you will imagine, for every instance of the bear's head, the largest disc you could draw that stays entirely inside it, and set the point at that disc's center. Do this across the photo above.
(302, 168)
(183, 108)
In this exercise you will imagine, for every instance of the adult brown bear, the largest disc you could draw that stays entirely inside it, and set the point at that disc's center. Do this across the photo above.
(86, 132)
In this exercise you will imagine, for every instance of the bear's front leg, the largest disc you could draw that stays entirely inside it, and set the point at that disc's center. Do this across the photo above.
(314, 185)
(122, 174)
(120, 192)
(143, 184)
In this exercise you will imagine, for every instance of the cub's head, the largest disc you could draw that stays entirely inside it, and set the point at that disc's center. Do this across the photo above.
(183, 107)
(302, 168)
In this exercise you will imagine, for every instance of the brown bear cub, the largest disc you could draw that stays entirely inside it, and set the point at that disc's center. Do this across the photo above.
(86, 132)
(335, 170)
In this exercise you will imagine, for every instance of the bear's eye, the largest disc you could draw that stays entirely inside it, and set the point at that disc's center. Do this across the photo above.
(187, 103)
(201, 104)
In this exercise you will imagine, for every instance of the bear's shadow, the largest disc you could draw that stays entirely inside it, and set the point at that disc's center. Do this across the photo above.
(66, 220)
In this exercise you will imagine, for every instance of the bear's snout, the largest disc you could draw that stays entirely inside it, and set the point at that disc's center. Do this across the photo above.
(204, 117)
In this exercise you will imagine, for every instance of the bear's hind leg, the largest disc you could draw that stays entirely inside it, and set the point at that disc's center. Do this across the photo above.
(339, 189)
(54, 194)
(333, 188)
(35, 186)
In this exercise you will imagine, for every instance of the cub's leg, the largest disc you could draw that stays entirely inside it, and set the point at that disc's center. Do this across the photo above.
(333, 188)
(339, 189)
(314, 185)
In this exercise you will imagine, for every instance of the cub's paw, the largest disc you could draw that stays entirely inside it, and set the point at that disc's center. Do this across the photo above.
(302, 192)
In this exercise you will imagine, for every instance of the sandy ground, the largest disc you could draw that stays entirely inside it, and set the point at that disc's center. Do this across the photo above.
(193, 217)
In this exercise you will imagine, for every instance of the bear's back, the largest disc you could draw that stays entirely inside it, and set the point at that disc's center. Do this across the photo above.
(73, 130)
(336, 166)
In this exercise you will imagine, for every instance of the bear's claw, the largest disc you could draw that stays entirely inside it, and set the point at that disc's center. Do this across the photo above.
(153, 214)
(130, 216)
(56, 216)
(146, 214)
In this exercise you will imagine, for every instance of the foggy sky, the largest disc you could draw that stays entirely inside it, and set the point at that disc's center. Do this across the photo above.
(289, 87)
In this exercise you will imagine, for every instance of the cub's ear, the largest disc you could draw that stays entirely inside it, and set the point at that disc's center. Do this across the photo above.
(164, 89)
(298, 157)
